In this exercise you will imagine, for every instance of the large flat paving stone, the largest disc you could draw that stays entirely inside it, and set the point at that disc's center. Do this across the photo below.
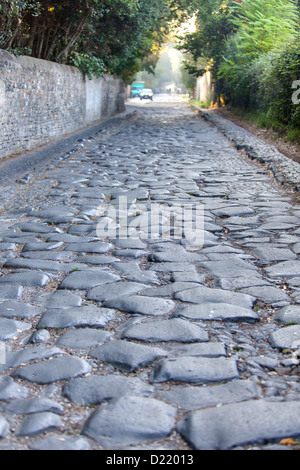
(268, 254)
(55, 215)
(19, 238)
(128, 253)
(63, 256)
(267, 294)
(10, 390)
(192, 369)
(217, 311)
(132, 243)
(7, 246)
(142, 305)
(241, 424)
(59, 299)
(10, 292)
(42, 264)
(288, 314)
(82, 338)
(200, 295)
(170, 289)
(278, 226)
(33, 405)
(174, 256)
(165, 330)
(87, 279)
(132, 272)
(90, 247)
(41, 246)
(286, 338)
(236, 283)
(95, 389)
(91, 316)
(53, 370)
(232, 267)
(31, 278)
(192, 397)
(12, 328)
(34, 227)
(233, 210)
(286, 269)
(98, 259)
(80, 229)
(28, 354)
(282, 219)
(126, 355)
(37, 423)
(112, 291)
(129, 421)
(18, 310)
(247, 221)
(210, 349)
(173, 267)
(67, 238)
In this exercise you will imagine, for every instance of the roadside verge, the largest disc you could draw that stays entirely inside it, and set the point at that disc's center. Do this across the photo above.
(285, 170)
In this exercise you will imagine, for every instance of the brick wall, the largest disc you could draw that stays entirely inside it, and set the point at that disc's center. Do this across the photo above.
(41, 101)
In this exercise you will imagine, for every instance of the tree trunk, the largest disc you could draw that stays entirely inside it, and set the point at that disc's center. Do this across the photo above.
(217, 93)
(40, 44)
(10, 41)
(48, 53)
(33, 33)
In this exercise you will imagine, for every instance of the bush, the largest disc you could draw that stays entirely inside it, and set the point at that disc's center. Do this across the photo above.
(261, 61)
(264, 87)
(90, 65)
(275, 74)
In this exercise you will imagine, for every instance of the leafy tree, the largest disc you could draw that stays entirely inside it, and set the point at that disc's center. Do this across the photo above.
(46, 29)
(206, 46)
(116, 36)
(264, 28)
(189, 80)
(264, 25)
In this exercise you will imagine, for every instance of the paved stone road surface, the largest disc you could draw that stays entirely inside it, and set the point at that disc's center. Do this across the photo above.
(144, 343)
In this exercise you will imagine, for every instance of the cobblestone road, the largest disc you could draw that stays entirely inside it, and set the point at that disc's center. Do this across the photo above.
(143, 343)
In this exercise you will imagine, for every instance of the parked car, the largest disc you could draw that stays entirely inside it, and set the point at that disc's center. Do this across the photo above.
(136, 89)
(146, 94)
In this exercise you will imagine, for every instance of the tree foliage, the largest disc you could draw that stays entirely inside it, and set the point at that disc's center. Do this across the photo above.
(263, 25)
(258, 58)
(207, 43)
(252, 48)
(205, 47)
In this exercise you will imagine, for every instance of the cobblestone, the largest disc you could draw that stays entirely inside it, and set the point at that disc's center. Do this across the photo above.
(143, 341)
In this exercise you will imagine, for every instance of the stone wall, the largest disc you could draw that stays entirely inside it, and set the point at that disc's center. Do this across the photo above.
(41, 101)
